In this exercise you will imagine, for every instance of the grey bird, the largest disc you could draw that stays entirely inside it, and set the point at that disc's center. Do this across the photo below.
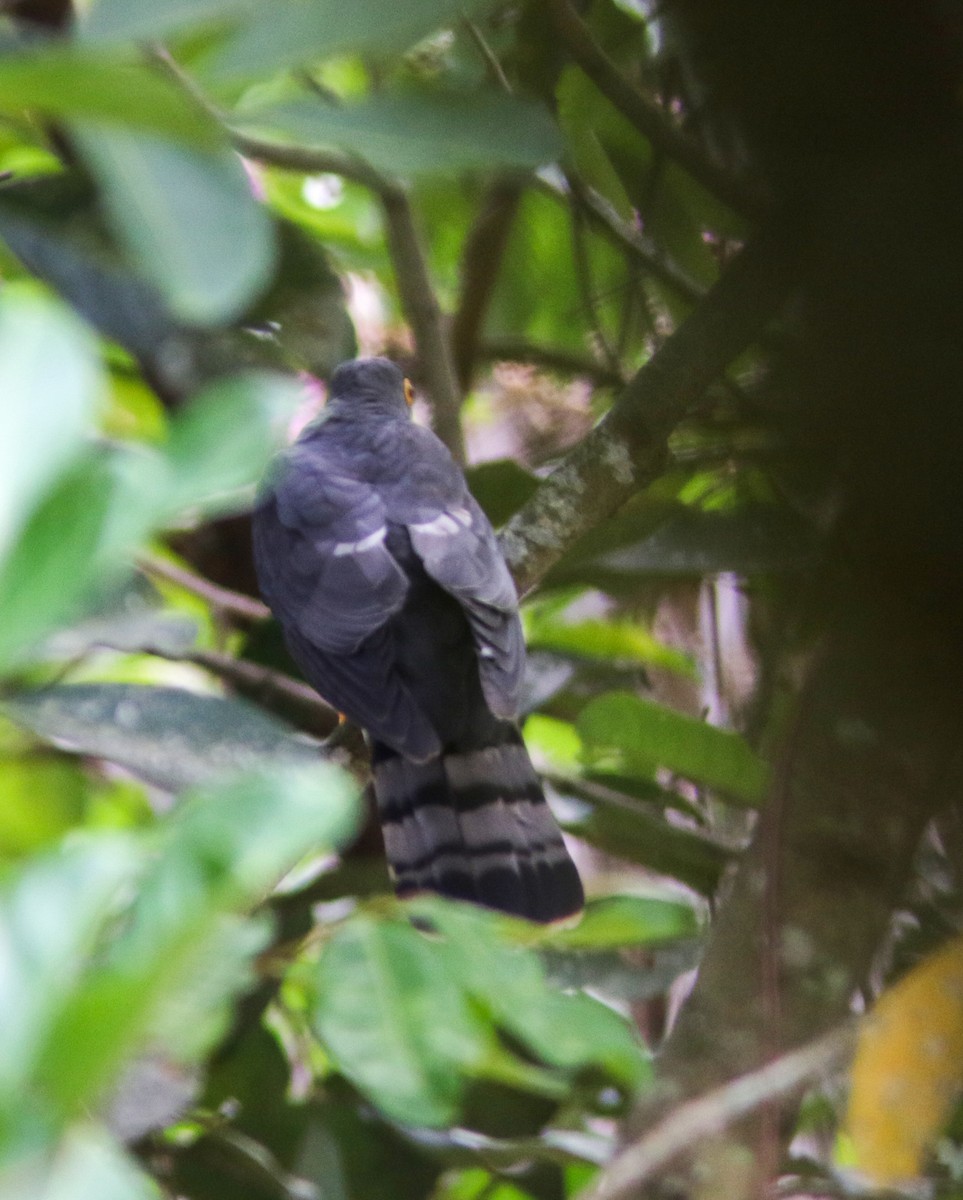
(396, 604)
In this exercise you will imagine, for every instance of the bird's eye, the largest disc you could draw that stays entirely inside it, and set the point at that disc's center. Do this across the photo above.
(409, 392)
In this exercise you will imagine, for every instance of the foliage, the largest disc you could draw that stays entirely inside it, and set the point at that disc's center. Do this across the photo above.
(205, 985)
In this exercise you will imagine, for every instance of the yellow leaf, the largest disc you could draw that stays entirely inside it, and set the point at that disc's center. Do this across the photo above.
(908, 1069)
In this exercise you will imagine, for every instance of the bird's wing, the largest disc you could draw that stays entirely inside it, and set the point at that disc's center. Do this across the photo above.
(457, 546)
(324, 569)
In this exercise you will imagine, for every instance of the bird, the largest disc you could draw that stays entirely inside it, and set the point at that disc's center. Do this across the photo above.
(396, 604)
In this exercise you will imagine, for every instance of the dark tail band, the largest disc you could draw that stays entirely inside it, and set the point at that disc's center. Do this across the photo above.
(475, 826)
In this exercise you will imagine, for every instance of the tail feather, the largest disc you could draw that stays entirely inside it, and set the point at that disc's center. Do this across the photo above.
(474, 825)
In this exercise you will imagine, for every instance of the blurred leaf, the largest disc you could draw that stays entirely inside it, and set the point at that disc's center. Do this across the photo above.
(50, 383)
(907, 1071)
(646, 734)
(183, 953)
(112, 21)
(171, 738)
(501, 488)
(290, 32)
(223, 439)
(41, 797)
(188, 219)
(411, 133)
(614, 921)
(65, 82)
(89, 1166)
(395, 1021)
(56, 561)
(55, 228)
(51, 918)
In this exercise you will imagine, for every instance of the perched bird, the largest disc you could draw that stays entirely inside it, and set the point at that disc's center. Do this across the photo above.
(397, 605)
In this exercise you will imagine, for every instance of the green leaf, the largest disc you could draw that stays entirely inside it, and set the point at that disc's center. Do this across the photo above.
(183, 953)
(222, 441)
(50, 919)
(616, 921)
(289, 32)
(91, 1166)
(501, 488)
(170, 737)
(114, 21)
(187, 218)
(414, 133)
(651, 842)
(50, 382)
(55, 563)
(645, 734)
(70, 84)
(54, 226)
(570, 1032)
(41, 797)
(395, 1021)
(619, 641)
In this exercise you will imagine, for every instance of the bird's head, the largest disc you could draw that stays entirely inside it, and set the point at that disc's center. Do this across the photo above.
(374, 383)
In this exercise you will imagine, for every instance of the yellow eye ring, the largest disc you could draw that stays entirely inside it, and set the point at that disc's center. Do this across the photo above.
(409, 393)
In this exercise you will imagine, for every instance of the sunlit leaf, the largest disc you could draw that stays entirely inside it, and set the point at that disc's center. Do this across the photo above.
(50, 383)
(396, 1022)
(628, 921)
(644, 733)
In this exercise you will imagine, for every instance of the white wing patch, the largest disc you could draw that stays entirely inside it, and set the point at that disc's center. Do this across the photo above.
(445, 524)
(366, 543)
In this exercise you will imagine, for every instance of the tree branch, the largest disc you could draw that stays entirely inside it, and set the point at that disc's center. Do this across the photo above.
(424, 315)
(236, 605)
(646, 117)
(481, 260)
(640, 247)
(552, 358)
(714, 1112)
(628, 448)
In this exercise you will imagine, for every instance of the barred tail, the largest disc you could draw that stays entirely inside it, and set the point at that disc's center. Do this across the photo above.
(474, 825)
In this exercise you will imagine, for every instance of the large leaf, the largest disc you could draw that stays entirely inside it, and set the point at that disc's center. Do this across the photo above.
(50, 382)
(54, 226)
(288, 32)
(182, 952)
(410, 133)
(54, 565)
(188, 219)
(645, 735)
(627, 921)
(68, 83)
(570, 1032)
(170, 737)
(113, 21)
(396, 1022)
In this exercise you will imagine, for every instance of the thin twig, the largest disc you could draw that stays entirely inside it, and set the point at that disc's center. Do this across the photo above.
(418, 297)
(715, 1111)
(488, 54)
(232, 604)
(553, 358)
(647, 117)
(421, 307)
(642, 248)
